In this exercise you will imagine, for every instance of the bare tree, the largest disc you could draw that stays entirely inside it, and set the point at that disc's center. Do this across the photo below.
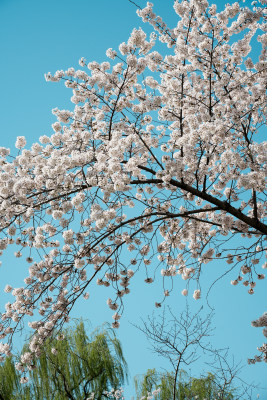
(183, 339)
(178, 339)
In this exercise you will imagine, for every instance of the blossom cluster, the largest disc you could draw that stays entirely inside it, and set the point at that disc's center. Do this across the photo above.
(118, 395)
(260, 322)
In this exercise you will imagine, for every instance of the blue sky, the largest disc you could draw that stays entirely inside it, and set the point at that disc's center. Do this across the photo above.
(38, 37)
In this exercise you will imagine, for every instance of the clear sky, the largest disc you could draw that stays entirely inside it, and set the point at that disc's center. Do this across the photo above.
(41, 36)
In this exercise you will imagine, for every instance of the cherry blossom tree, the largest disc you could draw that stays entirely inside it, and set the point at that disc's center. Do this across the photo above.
(161, 156)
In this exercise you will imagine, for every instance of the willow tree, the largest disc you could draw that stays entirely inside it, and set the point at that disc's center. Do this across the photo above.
(72, 366)
(162, 155)
(186, 388)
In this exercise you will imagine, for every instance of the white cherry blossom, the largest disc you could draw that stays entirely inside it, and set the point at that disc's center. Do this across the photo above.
(162, 155)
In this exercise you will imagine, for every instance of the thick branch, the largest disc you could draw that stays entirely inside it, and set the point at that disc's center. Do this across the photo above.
(223, 205)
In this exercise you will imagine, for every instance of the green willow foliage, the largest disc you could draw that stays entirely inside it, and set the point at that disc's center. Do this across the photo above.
(204, 388)
(71, 368)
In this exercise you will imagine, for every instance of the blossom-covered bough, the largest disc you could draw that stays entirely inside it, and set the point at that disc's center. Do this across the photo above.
(162, 157)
